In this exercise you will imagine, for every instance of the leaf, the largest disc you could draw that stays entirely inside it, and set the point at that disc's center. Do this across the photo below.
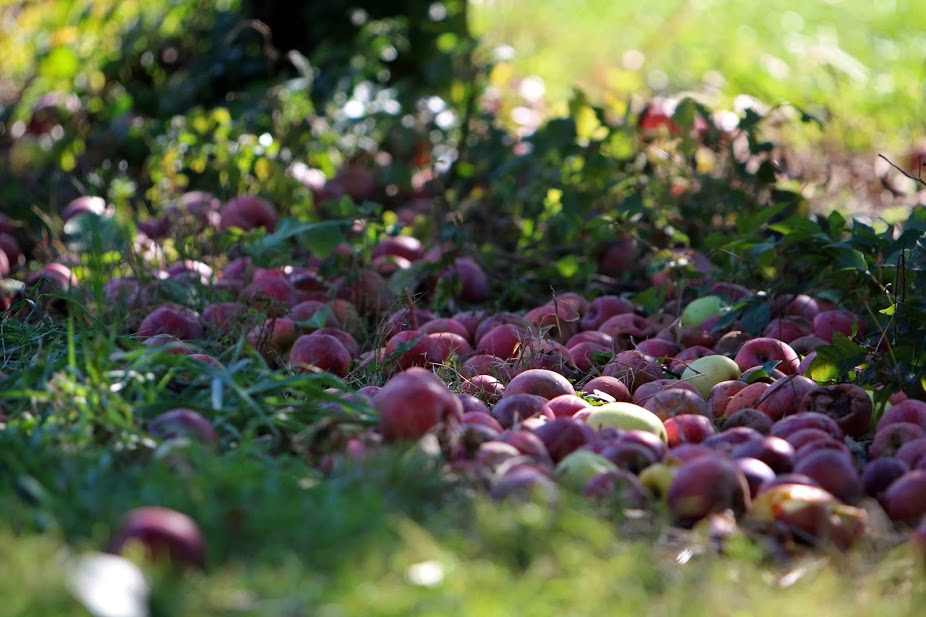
(321, 238)
(750, 223)
(62, 63)
(836, 360)
(764, 372)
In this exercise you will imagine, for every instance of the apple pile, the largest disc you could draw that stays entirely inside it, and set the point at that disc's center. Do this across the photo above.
(678, 411)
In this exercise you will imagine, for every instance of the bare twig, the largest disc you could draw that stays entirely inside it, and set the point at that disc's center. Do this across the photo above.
(918, 180)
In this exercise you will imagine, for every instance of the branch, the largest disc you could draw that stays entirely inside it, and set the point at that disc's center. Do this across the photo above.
(918, 180)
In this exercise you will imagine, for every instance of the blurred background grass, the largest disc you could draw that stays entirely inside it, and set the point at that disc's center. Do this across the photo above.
(859, 65)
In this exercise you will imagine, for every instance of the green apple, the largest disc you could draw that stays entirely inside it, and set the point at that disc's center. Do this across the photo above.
(657, 478)
(626, 416)
(700, 310)
(704, 373)
(580, 466)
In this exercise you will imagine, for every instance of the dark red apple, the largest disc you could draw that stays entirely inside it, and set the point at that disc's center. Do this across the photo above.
(248, 212)
(162, 534)
(759, 351)
(414, 402)
(704, 486)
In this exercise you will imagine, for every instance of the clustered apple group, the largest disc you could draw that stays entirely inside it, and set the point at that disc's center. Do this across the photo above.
(665, 412)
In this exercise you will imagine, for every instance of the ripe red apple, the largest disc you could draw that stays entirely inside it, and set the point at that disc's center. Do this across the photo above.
(786, 329)
(905, 499)
(773, 451)
(675, 402)
(706, 485)
(518, 407)
(834, 472)
(603, 308)
(825, 323)
(728, 440)
(162, 534)
(908, 410)
(182, 422)
(784, 396)
(627, 329)
(474, 285)
(528, 444)
(322, 352)
(756, 473)
(720, 395)
(753, 418)
(567, 405)
(633, 368)
(410, 348)
(647, 390)
(504, 340)
(562, 436)
(414, 402)
(747, 398)
(618, 257)
(892, 437)
(175, 321)
(524, 484)
(559, 322)
(542, 382)
(248, 212)
(878, 475)
(609, 386)
(688, 428)
(402, 246)
(440, 325)
(759, 351)
(807, 419)
(659, 348)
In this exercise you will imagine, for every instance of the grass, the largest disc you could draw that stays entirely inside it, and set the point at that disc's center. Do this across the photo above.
(391, 536)
(857, 64)
(394, 535)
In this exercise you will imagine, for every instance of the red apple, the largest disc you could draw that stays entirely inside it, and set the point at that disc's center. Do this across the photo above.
(753, 418)
(825, 323)
(688, 428)
(518, 407)
(807, 419)
(248, 212)
(163, 534)
(834, 472)
(612, 387)
(414, 402)
(182, 423)
(603, 308)
(320, 352)
(179, 322)
(704, 486)
(633, 368)
(905, 499)
(759, 351)
(542, 382)
(878, 475)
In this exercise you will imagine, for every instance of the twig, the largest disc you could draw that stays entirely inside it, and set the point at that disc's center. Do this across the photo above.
(919, 180)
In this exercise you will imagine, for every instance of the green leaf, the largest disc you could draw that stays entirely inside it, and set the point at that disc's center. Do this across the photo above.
(846, 258)
(837, 360)
(61, 63)
(750, 223)
(321, 238)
